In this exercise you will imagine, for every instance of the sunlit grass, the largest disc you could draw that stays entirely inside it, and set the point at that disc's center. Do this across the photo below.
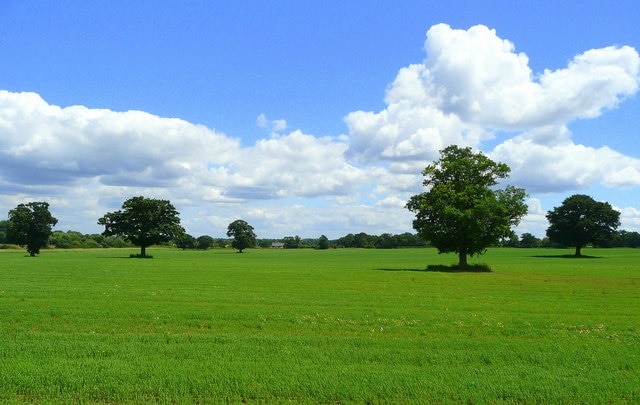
(319, 326)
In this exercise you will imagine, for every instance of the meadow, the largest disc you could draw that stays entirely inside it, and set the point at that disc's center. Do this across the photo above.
(310, 326)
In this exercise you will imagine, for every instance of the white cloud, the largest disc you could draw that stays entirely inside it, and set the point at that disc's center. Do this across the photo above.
(559, 164)
(274, 125)
(262, 121)
(96, 158)
(47, 144)
(472, 83)
(296, 164)
(629, 218)
(535, 222)
(479, 77)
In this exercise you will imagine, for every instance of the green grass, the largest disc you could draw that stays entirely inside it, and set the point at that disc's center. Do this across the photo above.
(336, 326)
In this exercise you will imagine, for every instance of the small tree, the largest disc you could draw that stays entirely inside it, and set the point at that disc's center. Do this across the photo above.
(528, 240)
(323, 242)
(461, 212)
(143, 222)
(292, 242)
(185, 241)
(30, 225)
(204, 242)
(581, 220)
(242, 234)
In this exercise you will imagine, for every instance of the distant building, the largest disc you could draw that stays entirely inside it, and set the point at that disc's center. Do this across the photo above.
(277, 245)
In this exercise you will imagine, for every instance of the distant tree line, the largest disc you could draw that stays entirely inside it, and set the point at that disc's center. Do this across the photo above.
(578, 222)
(78, 240)
(360, 240)
(620, 238)
(383, 241)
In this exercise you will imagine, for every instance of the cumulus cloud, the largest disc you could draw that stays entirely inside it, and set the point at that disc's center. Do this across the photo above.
(95, 158)
(629, 218)
(546, 160)
(480, 78)
(473, 83)
(43, 144)
(296, 164)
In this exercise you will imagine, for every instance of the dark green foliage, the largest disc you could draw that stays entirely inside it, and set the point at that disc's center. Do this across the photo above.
(77, 240)
(4, 226)
(323, 242)
(386, 241)
(143, 222)
(581, 220)
(242, 234)
(629, 239)
(185, 241)
(204, 242)
(527, 240)
(292, 242)
(30, 226)
(461, 212)
(362, 240)
(512, 241)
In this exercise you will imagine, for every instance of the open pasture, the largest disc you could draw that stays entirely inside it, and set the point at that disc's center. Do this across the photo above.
(307, 326)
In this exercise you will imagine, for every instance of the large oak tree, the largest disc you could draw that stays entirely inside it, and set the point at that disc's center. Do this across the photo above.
(30, 225)
(462, 212)
(143, 222)
(242, 233)
(581, 220)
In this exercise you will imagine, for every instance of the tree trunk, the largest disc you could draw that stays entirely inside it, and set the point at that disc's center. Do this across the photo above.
(578, 253)
(143, 251)
(462, 258)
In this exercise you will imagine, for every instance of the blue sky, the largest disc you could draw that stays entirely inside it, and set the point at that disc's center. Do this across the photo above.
(312, 117)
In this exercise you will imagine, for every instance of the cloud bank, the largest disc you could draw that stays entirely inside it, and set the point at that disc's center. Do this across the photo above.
(471, 89)
(473, 85)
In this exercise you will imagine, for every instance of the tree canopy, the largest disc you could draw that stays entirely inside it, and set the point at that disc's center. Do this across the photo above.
(581, 220)
(242, 234)
(204, 242)
(323, 242)
(462, 212)
(143, 222)
(30, 225)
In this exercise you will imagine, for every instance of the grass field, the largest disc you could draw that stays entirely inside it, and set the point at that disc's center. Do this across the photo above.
(308, 326)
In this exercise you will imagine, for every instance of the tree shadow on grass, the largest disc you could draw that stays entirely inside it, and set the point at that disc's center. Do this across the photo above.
(399, 269)
(131, 256)
(566, 257)
(441, 268)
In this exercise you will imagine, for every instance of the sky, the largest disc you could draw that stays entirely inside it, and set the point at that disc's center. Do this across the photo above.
(312, 117)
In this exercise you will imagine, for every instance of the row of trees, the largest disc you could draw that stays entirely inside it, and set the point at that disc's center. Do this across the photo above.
(462, 211)
(618, 239)
(384, 241)
(77, 240)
